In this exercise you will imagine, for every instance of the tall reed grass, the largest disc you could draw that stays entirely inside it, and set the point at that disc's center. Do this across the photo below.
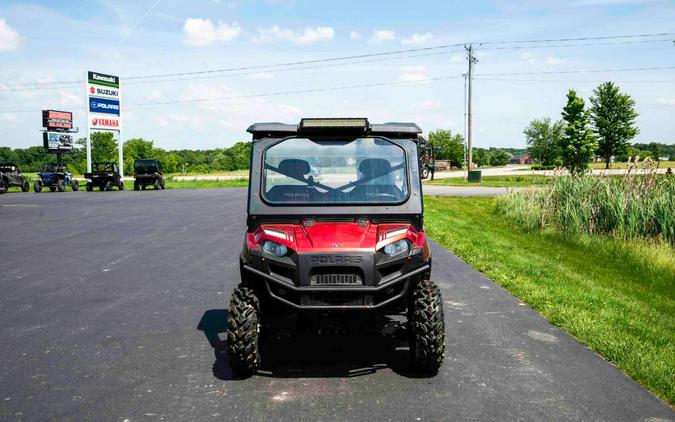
(640, 204)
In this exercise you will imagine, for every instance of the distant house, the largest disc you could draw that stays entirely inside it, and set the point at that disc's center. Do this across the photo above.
(524, 158)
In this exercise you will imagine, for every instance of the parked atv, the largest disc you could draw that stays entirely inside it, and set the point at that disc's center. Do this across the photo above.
(10, 175)
(55, 176)
(148, 173)
(105, 175)
(335, 227)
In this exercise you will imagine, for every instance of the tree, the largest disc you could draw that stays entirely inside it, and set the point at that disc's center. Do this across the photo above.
(447, 146)
(613, 116)
(499, 157)
(103, 146)
(543, 139)
(578, 145)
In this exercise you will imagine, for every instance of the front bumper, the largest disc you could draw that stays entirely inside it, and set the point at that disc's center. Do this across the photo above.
(337, 297)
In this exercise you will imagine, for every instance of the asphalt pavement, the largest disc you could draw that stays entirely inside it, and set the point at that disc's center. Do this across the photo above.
(113, 305)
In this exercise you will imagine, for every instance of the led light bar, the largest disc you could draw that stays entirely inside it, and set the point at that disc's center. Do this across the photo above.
(335, 123)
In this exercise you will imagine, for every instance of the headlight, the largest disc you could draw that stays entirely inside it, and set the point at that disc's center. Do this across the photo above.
(274, 248)
(396, 248)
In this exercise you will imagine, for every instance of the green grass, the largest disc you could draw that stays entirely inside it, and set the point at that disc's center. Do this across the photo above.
(615, 296)
(204, 184)
(495, 181)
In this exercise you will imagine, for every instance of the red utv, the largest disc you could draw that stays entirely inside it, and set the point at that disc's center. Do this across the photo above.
(334, 222)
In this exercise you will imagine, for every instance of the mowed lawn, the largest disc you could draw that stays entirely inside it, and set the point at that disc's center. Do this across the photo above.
(519, 180)
(617, 297)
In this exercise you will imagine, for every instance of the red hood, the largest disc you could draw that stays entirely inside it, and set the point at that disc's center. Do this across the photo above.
(335, 236)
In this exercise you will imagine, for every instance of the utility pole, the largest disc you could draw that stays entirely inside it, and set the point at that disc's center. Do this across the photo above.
(472, 60)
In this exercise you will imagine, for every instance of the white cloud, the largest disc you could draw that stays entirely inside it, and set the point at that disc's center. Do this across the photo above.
(382, 35)
(670, 101)
(202, 32)
(428, 105)
(8, 117)
(260, 75)
(417, 39)
(9, 38)
(355, 35)
(70, 99)
(161, 121)
(414, 74)
(554, 60)
(308, 35)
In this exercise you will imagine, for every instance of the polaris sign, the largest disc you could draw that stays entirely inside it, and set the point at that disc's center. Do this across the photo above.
(104, 105)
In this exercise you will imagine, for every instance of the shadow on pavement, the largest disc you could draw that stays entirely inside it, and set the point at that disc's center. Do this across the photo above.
(292, 348)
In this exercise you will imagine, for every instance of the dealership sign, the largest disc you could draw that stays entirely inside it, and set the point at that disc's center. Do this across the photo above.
(58, 121)
(104, 105)
(57, 141)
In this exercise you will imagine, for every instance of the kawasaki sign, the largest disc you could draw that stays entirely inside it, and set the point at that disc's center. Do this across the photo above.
(103, 79)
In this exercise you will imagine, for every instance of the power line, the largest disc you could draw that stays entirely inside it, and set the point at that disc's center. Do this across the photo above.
(381, 54)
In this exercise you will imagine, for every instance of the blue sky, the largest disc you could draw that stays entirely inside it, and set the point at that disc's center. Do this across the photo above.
(45, 42)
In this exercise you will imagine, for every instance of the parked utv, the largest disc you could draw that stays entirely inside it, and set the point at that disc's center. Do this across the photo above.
(148, 173)
(425, 151)
(10, 175)
(55, 176)
(104, 175)
(335, 228)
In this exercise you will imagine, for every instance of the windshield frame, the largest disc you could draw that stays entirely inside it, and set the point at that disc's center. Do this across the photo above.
(406, 167)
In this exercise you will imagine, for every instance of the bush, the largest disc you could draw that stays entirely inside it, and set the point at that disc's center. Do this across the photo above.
(543, 167)
(631, 206)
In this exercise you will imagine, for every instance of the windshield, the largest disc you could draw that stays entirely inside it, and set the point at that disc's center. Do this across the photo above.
(363, 170)
(51, 168)
(103, 166)
(146, 166)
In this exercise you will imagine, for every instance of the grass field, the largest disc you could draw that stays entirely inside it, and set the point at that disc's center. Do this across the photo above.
(617, 297)
(201, 184)
(494, 181)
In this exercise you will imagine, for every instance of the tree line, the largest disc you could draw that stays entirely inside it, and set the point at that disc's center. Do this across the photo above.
(104, 148)
(450, 147)
(605, 130)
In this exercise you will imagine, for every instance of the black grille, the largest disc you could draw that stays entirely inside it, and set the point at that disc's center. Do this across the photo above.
(336, 280)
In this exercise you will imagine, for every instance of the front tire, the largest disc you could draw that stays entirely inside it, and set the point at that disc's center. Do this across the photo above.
(37, 186)
(108, 186)
(136, 186)
(3, 187)
(90, 187)
(120, 186)
(243, 331)
(61, 185)
(75, 185)
(25, 186)
(426, 327)
(156, 185)
(425, 173)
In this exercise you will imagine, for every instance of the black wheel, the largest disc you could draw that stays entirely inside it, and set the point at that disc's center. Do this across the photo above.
(242, 331)
(425, 173)
(108, 186)
(37, 186)
(163, 185)
(156, 185)
(89, 187)
(52, 189)
(143, 187)
(25, 186)
(75, 185)
(426, 327)
(61, 185)
(120, 186)
(136, 186)
(3, 187)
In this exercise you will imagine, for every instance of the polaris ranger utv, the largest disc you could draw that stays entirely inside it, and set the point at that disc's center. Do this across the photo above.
(335, 225)
(148, 173)
(105, 175)
(10, 175)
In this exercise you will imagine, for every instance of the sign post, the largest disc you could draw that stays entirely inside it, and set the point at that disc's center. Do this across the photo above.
(103, 110)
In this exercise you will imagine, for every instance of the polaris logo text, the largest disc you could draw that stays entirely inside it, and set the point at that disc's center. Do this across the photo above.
(336, 259)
